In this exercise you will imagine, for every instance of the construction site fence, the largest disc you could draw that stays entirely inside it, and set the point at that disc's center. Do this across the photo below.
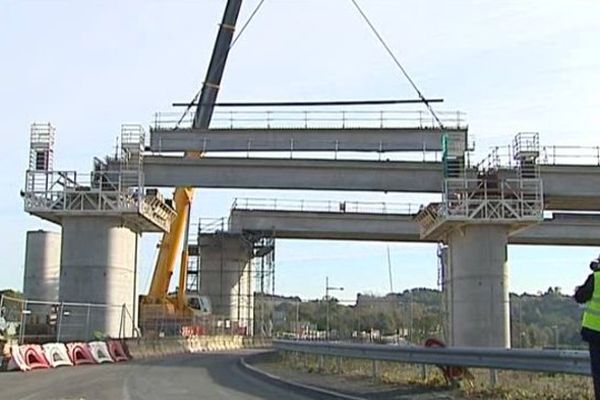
(33, 321)
(165, 325)
(36, 321)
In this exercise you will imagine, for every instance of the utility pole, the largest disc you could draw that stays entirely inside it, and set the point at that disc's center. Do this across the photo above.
(410, 328)
(297, 317)
(327, 289)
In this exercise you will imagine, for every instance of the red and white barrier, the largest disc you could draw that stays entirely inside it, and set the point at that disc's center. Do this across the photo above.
(56, 354)
(100, 352)
(79, 353)
(115, 348)
(28, 357)
(33, 355)
(16, 361)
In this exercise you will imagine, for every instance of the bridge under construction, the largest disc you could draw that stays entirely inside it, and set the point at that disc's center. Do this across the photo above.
(522, 193)
(517, 195)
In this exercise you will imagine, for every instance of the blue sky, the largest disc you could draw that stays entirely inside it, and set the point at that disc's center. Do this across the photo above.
(89, 66)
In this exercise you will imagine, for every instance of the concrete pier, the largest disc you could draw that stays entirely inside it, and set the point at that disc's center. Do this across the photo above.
(97, 266)
(42, 265)
(226, 277)
(477, 286)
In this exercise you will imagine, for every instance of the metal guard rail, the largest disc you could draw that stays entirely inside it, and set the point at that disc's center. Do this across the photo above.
(329, 206)
(304, 119)
(557, 361)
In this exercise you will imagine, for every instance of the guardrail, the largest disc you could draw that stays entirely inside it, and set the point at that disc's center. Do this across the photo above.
(209, 225)
(558, 361)
(338, 206)
(306, 119)
(503, 156)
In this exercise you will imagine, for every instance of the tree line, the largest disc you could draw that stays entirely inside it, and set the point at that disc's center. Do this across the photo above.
(545, 319)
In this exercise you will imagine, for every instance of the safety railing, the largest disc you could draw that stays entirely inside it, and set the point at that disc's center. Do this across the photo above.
(570, 155)
(503, 156)
(306, 119)
(486, 199)
(66, 190)
(336, 206)
(212, 225)
(498, 157)
(52, 192)
(557, 361)
(492, 199)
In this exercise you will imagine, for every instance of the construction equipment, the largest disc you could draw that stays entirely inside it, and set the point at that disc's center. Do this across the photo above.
(185, 306)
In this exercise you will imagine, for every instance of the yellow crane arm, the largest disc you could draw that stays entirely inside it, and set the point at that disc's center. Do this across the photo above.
(170, 245)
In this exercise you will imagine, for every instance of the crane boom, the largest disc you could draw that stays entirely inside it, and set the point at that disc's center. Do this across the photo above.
(214, 74)
(171, 241)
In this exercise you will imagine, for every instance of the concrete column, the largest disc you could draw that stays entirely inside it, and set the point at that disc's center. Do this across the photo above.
(226, 278)
(478, 286)
(42, 265)
(97, 266)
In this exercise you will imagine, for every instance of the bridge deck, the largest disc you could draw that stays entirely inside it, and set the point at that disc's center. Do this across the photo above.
(566, 187)
(561, 229)
(311, 139)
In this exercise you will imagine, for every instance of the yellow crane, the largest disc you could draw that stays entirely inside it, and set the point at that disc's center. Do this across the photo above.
(157, 303)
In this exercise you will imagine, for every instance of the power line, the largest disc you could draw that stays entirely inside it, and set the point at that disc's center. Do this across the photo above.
(397, 62)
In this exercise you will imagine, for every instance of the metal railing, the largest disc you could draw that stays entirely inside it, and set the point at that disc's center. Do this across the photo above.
(211, 225)
(332, 206)
(570, 155)
(66, 190)
(484, 200)
(557, 361)
(503, 156)
(37, 321)
(100, 191)
(306, 119)
(500, 199)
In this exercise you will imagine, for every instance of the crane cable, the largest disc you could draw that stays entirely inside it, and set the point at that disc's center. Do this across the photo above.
(389, 51)
(233, 42)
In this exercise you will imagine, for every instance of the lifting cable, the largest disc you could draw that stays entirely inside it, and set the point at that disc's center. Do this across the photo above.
(222, 60)
(389, 51)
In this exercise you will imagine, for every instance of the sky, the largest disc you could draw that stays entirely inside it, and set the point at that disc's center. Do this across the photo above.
(88, 67)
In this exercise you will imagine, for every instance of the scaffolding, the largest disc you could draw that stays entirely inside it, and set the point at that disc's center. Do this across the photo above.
(114, 187)
(236, 271)
(263, 266)
(494, 192)
(41, 150)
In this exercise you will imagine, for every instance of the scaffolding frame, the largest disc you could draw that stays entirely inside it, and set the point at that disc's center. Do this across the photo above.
(114, 187)
(492, 193)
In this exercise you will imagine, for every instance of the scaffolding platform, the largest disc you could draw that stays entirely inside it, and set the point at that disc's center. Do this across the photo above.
(490, 194)
(115, 187)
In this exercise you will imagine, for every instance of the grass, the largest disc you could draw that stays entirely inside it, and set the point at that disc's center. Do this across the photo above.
(510, 385)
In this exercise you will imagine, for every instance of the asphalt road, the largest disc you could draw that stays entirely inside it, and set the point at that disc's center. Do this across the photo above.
(187, 376)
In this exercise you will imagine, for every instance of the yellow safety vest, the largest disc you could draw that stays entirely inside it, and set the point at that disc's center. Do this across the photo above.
(591, 315)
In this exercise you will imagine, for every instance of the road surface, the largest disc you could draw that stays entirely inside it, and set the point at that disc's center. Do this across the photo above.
(187, 376)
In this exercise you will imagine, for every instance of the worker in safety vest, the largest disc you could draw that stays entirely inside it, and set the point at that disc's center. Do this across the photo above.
(589, 293)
